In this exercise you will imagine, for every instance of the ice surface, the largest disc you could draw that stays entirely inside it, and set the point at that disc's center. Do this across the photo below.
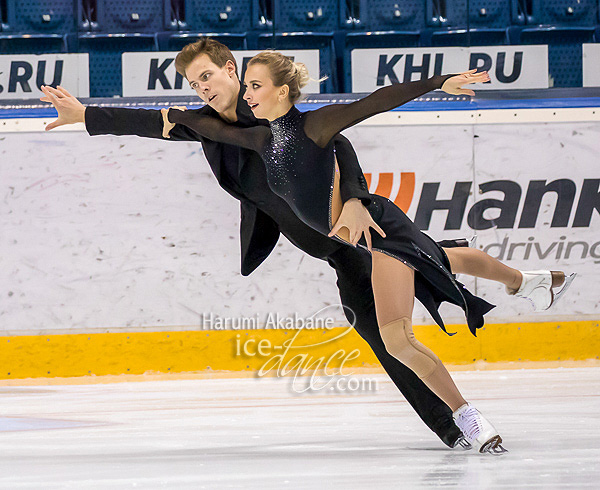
(260, 433)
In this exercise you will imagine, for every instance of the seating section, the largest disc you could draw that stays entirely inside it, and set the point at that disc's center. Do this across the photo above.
(487, 21)
(306, 24)
(107, 28)
(563, 26)
(227, 21)
(37, 26)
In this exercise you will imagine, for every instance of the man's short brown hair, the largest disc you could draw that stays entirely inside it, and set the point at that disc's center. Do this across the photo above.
(218, 53)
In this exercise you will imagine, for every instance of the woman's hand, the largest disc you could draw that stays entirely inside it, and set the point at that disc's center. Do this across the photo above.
(70, 110)
(357, 220)
(167, 126)
(453, 84)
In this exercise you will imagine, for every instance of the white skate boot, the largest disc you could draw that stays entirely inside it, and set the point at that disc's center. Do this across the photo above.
(539, 287)
(477, 430)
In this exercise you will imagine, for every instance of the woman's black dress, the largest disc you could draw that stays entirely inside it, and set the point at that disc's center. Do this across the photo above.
(299, 155)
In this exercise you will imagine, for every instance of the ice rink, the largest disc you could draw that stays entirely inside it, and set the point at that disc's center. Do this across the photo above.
(261, 433)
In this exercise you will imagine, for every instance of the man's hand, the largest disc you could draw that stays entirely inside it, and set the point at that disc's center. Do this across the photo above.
(167, 126)
(357, 220)
(70, 110)
(453, 84)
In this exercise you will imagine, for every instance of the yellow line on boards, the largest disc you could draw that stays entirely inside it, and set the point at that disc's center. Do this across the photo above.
(280, 352)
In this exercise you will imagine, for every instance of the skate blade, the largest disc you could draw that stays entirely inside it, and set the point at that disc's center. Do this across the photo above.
(473, 241)
(493, 446)
(463, 444)
(499, 449)
(568, 280)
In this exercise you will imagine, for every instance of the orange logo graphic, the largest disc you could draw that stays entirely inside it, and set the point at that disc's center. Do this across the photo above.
(385, 184)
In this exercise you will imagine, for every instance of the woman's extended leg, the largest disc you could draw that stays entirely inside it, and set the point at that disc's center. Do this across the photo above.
(542, 288)
(394, 293)
(464, 260)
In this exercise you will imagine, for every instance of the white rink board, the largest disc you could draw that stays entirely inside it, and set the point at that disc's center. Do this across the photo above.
(117, 233)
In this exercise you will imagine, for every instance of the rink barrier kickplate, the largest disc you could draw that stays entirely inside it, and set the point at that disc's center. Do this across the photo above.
(277, 350)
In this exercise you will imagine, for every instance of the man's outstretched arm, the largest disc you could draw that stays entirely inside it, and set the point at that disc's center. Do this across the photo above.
(146, 123)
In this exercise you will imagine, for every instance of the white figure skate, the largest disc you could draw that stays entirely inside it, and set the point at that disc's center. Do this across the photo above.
(542, 288)
(477, 430)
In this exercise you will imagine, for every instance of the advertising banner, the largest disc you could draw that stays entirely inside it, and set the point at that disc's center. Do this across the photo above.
(530, 193)
(591, 65)
(147, 74)
(510, 67)
(22, 75)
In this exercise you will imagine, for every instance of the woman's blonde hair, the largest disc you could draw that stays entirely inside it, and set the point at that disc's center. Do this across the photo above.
(284, 72)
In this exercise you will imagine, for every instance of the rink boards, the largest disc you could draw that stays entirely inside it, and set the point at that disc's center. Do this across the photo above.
(116, 250)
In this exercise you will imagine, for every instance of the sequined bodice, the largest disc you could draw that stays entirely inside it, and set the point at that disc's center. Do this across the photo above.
(299, 171)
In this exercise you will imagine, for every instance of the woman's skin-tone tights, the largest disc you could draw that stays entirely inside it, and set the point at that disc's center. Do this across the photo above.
(393, 289)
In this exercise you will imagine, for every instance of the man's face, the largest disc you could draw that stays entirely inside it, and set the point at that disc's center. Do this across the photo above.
(217, 87)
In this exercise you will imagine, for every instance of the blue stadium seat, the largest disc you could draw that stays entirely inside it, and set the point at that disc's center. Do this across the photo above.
(563, 25)
(306, 24)
(37, 26)
(399, 17)
(218, 15)
(227, 21)
(488, 22)
(306, 15)
(175, 41)
(139, 16)
(384, 24)
(579, 13)
(118, 26)
(393, 15)
(3, 15)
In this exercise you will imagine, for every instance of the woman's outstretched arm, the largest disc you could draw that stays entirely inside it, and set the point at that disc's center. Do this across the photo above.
(215, 129)
(352, 179)
(322, 124)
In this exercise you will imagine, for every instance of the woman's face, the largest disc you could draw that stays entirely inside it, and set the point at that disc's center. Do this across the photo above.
(261, 95)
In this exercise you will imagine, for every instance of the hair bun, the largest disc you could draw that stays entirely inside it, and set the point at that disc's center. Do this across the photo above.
(284, 71)
(302, 74)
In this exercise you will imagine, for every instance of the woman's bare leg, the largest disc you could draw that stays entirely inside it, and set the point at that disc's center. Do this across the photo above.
(464, 260)
(394, 292)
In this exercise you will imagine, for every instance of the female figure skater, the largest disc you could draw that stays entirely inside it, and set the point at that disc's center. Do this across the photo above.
(301, 168)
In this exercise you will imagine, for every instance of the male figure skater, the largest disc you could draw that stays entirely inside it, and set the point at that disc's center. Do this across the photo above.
(263, 214)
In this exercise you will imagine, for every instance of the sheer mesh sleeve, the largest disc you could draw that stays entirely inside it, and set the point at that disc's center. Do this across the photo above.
(213, 128)
(321, 125)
